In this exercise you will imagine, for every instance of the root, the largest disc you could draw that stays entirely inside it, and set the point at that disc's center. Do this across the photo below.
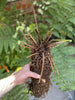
(51, 66)
(37, 63)
(42, 67)
(54, 64)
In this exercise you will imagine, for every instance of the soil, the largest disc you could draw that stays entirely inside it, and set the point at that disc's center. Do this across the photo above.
(40, 88)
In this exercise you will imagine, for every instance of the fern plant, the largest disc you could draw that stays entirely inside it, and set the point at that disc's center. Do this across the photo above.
(65, 62)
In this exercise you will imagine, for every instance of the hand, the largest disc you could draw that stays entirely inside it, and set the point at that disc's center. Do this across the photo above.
(23, 74)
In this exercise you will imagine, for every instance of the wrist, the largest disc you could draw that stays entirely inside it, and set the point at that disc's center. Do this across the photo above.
(16, 79)
(12, 80)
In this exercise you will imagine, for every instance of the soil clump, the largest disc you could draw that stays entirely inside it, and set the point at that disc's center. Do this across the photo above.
(41, 87)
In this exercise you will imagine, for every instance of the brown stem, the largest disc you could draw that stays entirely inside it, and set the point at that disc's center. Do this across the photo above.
(56, 43)
(51, 47)
(31, 37)
(54, 63)
(35, 18)
(42, 66)
(28, 45)
(53, 40)
(28, 40)
(38, 36)
(36, 30)
(51, 65)
(32, 55)
(49, 37)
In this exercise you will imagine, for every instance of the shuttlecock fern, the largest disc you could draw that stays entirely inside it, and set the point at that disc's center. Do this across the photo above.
(65, 63)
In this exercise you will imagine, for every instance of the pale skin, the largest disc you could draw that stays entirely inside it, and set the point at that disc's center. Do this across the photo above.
(18, 78)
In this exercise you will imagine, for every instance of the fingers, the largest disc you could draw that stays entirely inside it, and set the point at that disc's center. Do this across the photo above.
(30, 73)
(34, 75)
(27, 65)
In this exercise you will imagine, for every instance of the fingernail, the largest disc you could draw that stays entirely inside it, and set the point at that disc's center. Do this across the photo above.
(38, 76)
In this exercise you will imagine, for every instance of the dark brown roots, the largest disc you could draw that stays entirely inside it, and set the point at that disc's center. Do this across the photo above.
(41, 61)
(41, 66)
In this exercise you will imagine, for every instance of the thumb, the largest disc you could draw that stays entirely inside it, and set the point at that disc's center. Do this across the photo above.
(34, 75)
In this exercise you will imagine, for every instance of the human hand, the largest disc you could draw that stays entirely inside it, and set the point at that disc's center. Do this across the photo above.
(25, 73)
